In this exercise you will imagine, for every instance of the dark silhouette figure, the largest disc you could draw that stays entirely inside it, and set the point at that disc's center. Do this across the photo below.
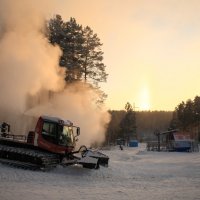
(5, 128)
(121, 147)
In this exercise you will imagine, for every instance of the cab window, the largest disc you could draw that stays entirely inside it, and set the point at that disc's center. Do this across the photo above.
(49, 132)
(66, 137)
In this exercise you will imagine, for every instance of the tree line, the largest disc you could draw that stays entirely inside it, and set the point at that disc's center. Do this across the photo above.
(187, 115)
(129, 124)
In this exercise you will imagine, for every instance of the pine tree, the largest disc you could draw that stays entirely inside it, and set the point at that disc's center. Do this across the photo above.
(68, 35)
(128, 123)
(72, 51)
(82, 55)
(93, 68)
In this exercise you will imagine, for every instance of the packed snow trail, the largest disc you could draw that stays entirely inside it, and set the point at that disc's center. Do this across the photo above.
(132, 174)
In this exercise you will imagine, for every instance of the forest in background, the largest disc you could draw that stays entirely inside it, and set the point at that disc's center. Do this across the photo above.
(129, 124)
(146, 123)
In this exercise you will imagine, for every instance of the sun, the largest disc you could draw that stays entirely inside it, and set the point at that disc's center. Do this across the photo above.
(144, 99)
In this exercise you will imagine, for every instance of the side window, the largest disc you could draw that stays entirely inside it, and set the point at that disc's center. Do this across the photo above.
(52, 130)
(49, 132)
(45, 129)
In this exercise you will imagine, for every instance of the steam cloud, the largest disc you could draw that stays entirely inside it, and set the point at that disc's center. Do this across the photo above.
(29, 71)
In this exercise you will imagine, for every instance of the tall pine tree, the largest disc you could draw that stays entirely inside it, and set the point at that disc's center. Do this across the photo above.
(92, 56)
(82, 55)
(128, 123)
(68, 35)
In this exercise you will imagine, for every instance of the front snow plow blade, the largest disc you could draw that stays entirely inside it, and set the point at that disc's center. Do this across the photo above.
(102, 158)
(91, 158)
(89, 162)
(86, 162)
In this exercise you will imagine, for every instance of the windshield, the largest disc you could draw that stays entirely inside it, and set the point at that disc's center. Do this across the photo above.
(66, 136)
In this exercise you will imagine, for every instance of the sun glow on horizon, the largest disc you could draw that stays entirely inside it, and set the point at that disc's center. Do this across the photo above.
(144, 99)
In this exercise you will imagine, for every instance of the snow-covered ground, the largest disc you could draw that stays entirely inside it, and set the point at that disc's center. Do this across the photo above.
(132, 174)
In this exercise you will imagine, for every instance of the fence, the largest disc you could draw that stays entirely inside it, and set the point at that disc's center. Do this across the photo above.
(171, 146)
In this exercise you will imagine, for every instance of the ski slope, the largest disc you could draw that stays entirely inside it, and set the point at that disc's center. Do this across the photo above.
(132, 174)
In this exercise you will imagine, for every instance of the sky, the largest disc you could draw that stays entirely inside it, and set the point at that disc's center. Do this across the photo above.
(151, 48)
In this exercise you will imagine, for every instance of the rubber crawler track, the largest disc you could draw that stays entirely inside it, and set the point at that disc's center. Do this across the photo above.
(28, 158)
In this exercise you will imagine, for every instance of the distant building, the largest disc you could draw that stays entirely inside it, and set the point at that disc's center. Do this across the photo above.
(174, 140)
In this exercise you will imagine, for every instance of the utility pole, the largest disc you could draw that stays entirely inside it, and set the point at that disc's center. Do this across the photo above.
(135, 127)
(157, 133)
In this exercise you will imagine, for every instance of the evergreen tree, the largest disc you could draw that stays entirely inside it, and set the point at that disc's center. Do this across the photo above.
(180, 113)
(55, 30)
(82, 54)
(197, 109)
(187, 115)
(174, 123)
(114, 130)
(92, 67)
(72, 52)
(128, 123)
(68, 35)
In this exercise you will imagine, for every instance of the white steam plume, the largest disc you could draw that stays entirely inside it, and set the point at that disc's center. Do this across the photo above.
(29, 67)
(77, 103)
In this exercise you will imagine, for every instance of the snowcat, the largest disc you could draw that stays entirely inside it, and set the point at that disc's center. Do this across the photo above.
(52, 143)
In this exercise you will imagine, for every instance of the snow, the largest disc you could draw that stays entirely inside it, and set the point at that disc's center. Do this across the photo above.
(132, 174)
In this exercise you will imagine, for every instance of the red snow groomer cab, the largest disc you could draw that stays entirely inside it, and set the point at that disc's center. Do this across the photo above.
(51, 143)
(54, 135)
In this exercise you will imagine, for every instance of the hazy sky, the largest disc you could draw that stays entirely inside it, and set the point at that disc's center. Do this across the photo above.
(151, 48)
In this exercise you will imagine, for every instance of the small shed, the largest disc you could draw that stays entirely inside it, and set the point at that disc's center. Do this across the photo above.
(133, 143)
(182, 141)
(173, 140)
